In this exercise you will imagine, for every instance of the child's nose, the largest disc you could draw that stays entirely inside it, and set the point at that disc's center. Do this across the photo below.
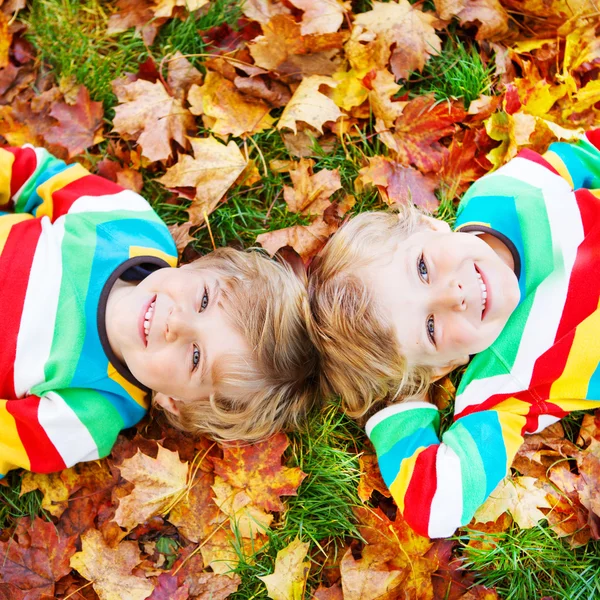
(178, 326)
(452, 296)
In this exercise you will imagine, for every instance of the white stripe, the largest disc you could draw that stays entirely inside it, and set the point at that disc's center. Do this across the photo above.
(545, 421)
(394, 409)
(123, 200)
(542, 324)
(36, 330)
(447, 504)
(68, 434)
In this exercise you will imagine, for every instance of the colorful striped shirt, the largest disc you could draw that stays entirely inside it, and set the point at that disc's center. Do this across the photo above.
(544, 364)
(65, 235)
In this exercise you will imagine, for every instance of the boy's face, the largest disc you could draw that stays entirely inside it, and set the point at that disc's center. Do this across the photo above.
(448, 295)
(171, 329)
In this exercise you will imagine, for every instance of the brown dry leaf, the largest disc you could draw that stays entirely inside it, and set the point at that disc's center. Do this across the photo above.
(158, 482)
(311, 192)
(521, 497)
(221, 552)
(284, 49)
(480, 592)
(245, 518)
(79, 125)
(408, 30)
(310, 105)
(165, 8)
(212, 171)
(149, 115)
(5, 40)
(110, 569)
(370, 478)
(321, 16)
(138, 14)
(196, 515)
(491, 16)
(382, 90)
(181, 75)
(257, 469)
(331, 593)
(416, 133)
(288, 580)
(398, 184)
(181, 235)
(306, 240)
(264, 10)
(227, 111)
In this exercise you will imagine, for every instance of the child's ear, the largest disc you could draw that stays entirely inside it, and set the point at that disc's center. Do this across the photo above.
(436, 224)
(166, 402)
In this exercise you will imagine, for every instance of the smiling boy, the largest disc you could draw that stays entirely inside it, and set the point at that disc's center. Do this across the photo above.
(514, 290)
(94, 316)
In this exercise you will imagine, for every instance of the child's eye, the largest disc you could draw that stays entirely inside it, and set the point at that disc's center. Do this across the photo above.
(422, 269)
(431, 329)
(195, 358)
(204, 302)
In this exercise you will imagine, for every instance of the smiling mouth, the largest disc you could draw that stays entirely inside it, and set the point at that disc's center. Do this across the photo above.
(484, 293)
(148, 319)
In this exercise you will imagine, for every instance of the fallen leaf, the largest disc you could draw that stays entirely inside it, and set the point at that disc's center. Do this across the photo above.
(158, 483)
(331, 593)
(181, 75)
(138, 14)
(521, 497)
(165, 8)
(311, 192)
(79, 125)
(227, 110)
(223, 551)
(5, 40)
(414, 139)
(35, 557)
(490, 14)
(370, 478)
(310, 105)
(110, 569)
(288, 580)
(148, 114)
(321, 16)
(212, 171)
(264, 10)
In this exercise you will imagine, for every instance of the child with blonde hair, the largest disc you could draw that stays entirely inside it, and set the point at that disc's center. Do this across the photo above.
(400, 300)
(94, 317)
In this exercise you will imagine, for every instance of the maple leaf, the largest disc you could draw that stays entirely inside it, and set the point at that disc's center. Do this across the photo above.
(521, 497)
(306, 240)
(491, 16)
(167, 588)
(331, 593)
(288, 580)
(109, 569)
(311, 192)
(78, 125)
(158, 482)
(165, 8)
(181, 74)
(138, 14)
(212, 171)
(181, 235)
(222, 552)
(321, 16)
(263, 10)
(398, 184)
(125, 176)
(310, 105)
(257, 469)
(5, 40)
(417, 131)
(35, 557)
(409, 30)
(227, 111)
(149, 115)
(370, 478)
(284, 49)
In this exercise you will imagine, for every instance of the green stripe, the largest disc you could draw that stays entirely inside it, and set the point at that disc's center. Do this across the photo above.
(396, 427)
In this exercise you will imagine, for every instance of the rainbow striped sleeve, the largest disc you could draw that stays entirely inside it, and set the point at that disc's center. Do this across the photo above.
(544, 364)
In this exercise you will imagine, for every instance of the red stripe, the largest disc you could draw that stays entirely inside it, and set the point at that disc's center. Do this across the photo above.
(420, 492)
(594, 137)
(537, 158)
(23, 167)
(15, 266)
(43, 456)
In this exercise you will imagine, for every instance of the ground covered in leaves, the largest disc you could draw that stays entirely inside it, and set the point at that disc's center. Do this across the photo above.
(268, 123)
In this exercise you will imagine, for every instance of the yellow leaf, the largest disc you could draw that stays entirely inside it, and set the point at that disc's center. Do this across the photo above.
(158, 481)
(288, 581)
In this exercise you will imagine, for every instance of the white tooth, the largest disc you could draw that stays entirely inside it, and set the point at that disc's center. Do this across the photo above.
(148, 315)
(484, 294)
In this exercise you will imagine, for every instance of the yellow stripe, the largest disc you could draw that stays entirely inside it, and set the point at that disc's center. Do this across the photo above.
(6, 162)
(400, 484)
(595, 193)
(143, 251)
(59, 181)
(11, 448)
(582, 361)
(6, 224)
(470, 223)
(138, 395)
(559, 165)
(512, 424)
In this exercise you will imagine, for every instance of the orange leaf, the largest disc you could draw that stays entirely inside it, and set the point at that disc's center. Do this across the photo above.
(5, 40)
(370, 478)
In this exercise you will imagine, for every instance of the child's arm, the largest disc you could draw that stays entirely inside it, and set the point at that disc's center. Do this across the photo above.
(35, 182)
(59, 429)
(439, 486)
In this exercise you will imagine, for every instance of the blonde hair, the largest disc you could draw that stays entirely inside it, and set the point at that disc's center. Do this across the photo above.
(360, 357)
(275, 387)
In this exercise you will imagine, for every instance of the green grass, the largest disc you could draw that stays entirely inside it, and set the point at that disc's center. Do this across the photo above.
(12, 506)
(533, 563)
(456, 73)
